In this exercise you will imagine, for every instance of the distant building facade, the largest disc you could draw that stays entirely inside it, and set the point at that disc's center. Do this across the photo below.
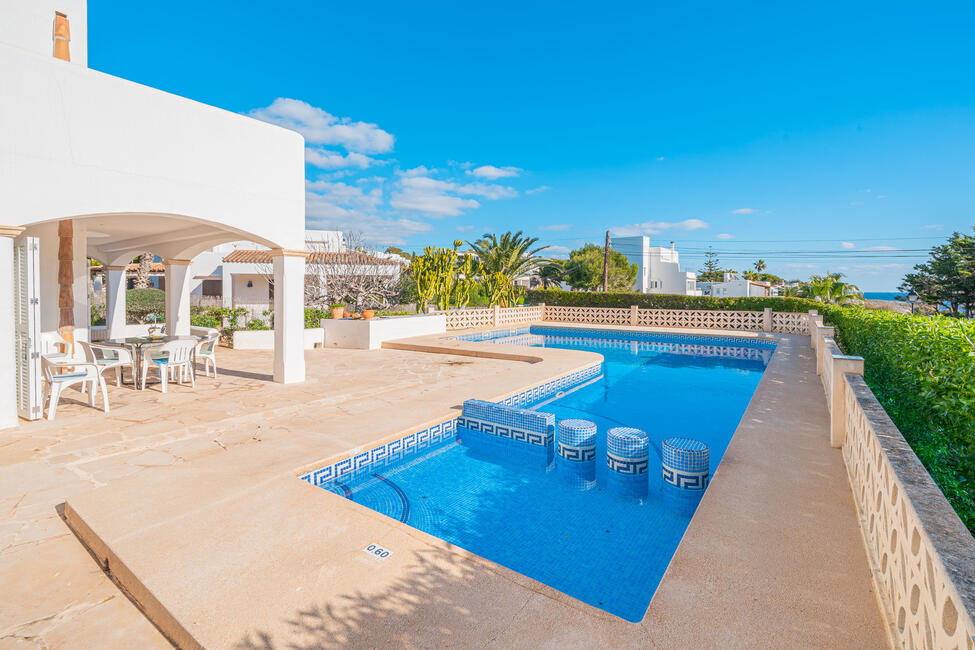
(658, 267)
(735, 286)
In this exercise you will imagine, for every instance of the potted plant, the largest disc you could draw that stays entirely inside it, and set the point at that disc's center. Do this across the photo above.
(338, 310)
(368, 313)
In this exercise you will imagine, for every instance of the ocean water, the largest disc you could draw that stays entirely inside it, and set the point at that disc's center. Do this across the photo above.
(601, 545)
(882, 295)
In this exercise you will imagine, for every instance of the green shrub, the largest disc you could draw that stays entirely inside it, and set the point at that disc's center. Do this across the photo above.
(257, 324)
(206, 317)
(665, 301)
(97, 314)
(922, 370)
(313, 316)
(145, 305)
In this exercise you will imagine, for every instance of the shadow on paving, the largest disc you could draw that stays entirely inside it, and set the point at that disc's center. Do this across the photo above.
(403, 615)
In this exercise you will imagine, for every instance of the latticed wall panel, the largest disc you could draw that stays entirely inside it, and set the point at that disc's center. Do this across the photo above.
(790, 323)
(701, 319)
(922, 602)
(460, 319)
(515, 315)
(591, 315)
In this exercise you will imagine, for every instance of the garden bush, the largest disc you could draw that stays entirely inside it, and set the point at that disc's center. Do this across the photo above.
(664, 301)
(922, 370)
(145, 305)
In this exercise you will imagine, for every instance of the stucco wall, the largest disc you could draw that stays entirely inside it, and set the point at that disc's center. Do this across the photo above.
(74, 141)
(29, 25)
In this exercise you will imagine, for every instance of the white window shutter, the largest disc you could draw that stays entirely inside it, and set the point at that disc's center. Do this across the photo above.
(27, 334)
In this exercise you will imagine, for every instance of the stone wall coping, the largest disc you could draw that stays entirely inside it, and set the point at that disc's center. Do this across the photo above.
(949, 536)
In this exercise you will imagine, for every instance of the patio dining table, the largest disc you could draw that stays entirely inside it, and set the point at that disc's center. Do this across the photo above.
(140, 344)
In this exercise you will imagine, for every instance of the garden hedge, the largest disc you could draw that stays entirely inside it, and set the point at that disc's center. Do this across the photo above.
(664, 301)
(922, 369)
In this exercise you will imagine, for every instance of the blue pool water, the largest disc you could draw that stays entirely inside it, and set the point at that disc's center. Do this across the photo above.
(512, 508)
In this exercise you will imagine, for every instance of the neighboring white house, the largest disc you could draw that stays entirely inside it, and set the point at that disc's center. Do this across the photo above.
(659, 267)
(735, 286)
(236, 274)
(93, 165)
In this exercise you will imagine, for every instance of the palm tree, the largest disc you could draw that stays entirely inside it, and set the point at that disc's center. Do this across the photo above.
(145, 268)
(511, 255)
(831, 288)
(760, 266)
(551, 273)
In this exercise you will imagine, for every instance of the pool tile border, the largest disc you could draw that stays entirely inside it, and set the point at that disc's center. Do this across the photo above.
(443, 432)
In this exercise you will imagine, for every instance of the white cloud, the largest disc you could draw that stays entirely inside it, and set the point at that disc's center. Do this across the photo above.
(744, 211)
(339, 206)
(539, 189)
(881, 196)
(660, 158)
(724, 235)
(320, 127)
(491, 172)
(557, 251)
(488, 191)
(654, 227)
(848, 244)
(856, 202)
(934, 226)
(559, 227)
(328, 159)
(880, 248)
(465, 228)
(429, 196)
(417, 191)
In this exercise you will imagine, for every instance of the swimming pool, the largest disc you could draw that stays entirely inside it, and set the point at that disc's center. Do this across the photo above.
(504, 501)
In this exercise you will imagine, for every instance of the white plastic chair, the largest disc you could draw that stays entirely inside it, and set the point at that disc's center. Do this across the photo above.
(169, 357)
(109, 357)
(81, 372)
(206, 350)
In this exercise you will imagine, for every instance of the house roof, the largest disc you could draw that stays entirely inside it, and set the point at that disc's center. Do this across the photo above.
(157, 267)
(246, 256)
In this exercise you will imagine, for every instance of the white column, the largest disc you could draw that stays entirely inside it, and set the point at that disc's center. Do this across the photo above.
(289, 315)
(115, 302)
(177, 297)
(8, 357)
(227, 294)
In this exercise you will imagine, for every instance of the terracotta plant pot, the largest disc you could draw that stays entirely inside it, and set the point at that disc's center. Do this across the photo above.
(368, 313)
(338, 312)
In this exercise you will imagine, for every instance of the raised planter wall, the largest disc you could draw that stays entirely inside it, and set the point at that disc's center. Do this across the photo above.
(921, 554)
(264, 339)
(363, 334)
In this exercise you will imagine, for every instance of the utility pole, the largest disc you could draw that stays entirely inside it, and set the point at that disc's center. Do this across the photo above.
(606, 265)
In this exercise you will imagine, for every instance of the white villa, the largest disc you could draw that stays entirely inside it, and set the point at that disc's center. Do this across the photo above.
(735, 286)
(236, 274)
(659, 267)
(93, 165)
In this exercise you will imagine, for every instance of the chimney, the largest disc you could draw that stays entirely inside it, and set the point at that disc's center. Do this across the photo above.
(62, 36)
(671, 245)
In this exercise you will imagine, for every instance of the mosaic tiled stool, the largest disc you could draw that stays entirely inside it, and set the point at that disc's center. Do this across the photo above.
(576, 455)
(627, 457)
(685, 473)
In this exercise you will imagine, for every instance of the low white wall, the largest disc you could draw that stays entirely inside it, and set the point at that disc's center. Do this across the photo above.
(264, 339)
(100, 332)
(370, 334)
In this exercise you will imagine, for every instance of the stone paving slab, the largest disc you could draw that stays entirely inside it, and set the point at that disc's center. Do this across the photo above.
(232, 549)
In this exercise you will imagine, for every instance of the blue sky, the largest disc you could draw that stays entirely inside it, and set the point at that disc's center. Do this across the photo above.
(816, 137)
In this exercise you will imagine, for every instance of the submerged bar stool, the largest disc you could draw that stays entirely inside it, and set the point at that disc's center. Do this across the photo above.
(627, 457)
(576, 457)
(686, 473)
